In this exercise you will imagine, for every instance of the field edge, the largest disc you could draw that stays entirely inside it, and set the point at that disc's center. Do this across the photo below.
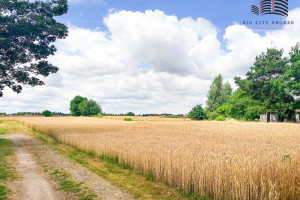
(142, 186)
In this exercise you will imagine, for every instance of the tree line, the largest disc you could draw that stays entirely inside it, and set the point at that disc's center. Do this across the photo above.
(271, 86)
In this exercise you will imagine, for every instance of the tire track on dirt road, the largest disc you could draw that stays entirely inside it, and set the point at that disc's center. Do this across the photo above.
(34, 186)
(33, 156)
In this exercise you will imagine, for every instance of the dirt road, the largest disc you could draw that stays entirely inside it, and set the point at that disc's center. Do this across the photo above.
(36, 184)
(33, 184)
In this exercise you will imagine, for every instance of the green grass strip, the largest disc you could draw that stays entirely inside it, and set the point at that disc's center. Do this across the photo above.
(67, 184)
(5, 150)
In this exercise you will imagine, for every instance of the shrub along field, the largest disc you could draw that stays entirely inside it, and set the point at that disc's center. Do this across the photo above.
(221, 160)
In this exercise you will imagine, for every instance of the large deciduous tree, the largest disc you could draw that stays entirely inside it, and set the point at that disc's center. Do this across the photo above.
(218, 94)
(264, 82)
(27, 30)
(47, 113)
(74, 105)
(89, 107)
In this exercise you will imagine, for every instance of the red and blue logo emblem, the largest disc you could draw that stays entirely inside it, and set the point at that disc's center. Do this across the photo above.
(268, 7)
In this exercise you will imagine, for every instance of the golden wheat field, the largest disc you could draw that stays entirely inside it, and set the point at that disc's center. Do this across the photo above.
(223, 160)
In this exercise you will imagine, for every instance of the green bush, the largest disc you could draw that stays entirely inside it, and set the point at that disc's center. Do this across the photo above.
(212, 115)
(222, 110)
(98, 116)
(197, 113)
(240, 106)
(253, 112)
(220, 118)
(128, 119)
(47, 113)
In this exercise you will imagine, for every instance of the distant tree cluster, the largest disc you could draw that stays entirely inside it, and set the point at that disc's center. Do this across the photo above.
(125, 114)
(27, 113)
(271, 86)
(60, 114)
(38, 114)
(81, 106)
(47, 113)
(130, 114)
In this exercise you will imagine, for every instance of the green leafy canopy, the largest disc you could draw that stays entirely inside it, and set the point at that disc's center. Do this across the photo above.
(74, 105)
(27, 30)
(197, 113)
(89, 108)
(293, 72)
(218, 94)
(264, 81)
(47, 113)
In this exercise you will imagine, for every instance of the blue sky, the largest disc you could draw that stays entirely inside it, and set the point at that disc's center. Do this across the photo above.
(90, 13)
(151, 56)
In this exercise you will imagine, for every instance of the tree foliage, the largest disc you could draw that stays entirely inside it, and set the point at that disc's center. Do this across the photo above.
(130, 114)
(265, 83)
(74, 105)
(218, 94)
(227, 91)
(89, 107)
(241, 106)
(26, 31)
(47, 113)
(197, 113)
(211, 115)
(293, 73)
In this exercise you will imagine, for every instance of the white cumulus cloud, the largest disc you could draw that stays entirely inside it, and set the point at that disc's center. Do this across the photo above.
(147, 62)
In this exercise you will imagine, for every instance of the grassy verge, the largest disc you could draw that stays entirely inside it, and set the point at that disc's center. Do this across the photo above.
(11, 127)
(140, 185)
(66, 183)
(5, 171)
(3, 130)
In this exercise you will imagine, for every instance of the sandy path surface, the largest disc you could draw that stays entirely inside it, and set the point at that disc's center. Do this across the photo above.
(36, 184)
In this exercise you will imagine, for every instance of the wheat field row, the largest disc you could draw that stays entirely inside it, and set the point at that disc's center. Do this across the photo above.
(222, 160)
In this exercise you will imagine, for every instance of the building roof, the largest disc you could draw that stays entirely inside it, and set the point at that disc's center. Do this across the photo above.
(297, 110)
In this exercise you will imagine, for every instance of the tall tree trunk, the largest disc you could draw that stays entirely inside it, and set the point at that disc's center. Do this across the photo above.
(268, 116)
